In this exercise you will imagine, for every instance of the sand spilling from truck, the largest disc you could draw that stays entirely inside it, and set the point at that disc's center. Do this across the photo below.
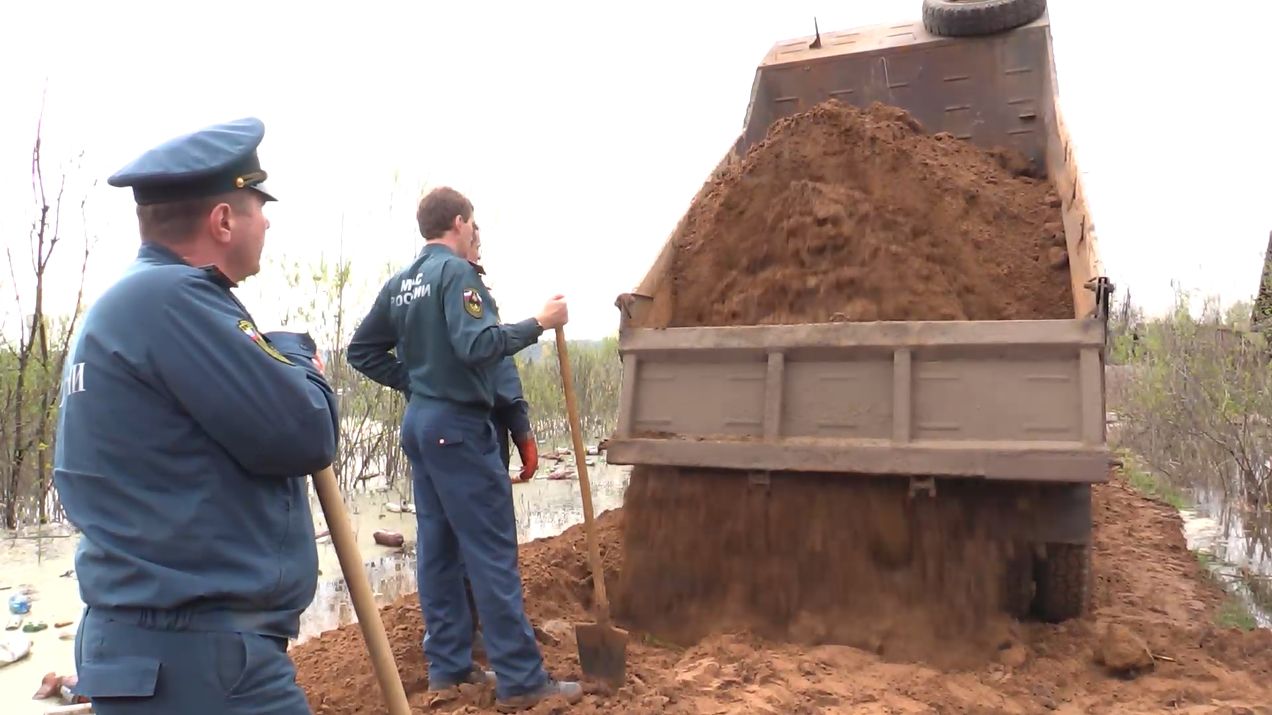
(848, 214)
(842, 214)
(813, 559)
(1145, 579)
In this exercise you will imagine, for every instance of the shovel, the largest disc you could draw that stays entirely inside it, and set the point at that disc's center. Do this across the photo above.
(602, 647)
(382, 662)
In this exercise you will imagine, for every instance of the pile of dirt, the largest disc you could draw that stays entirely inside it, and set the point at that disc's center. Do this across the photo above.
(841, 214)
(1147, 582)
(849, 214)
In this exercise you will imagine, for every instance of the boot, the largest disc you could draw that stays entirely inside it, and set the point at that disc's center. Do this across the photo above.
(476, 676)
(571, 691)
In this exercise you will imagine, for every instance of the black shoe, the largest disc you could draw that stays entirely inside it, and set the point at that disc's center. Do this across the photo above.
(476, 676)
(572, 692)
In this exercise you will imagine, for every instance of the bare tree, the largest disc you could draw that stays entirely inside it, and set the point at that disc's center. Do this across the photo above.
(33, 365)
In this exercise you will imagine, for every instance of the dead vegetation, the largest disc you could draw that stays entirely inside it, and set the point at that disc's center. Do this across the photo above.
(33, 349)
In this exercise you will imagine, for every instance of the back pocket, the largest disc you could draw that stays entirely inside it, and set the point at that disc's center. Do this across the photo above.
(120, 676)
(440, 438)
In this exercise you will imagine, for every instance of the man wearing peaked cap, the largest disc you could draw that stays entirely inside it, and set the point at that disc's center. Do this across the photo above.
(215, 160)
(185, 437)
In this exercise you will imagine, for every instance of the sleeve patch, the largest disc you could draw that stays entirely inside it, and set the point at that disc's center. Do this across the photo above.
(255, 336)
(472, 302)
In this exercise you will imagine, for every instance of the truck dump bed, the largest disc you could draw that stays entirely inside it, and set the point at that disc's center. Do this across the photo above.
(1017, 400)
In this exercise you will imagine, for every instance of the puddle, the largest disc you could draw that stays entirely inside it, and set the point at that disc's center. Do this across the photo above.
(1241, 551)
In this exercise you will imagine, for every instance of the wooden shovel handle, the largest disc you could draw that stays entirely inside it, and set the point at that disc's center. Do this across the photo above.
(580, 459)
(355, 575)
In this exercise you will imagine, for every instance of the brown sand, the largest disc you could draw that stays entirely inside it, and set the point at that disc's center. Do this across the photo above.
(858, 215)
(841, 214)
(1146, 580)
(814, 559)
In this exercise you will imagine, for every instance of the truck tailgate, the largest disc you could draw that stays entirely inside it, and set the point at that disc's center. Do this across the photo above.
(1017, 400)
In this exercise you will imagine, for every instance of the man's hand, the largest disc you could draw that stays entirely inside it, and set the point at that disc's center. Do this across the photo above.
(529, 451)
(554, 313)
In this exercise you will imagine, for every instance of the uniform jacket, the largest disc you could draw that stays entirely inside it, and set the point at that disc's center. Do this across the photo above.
(184, 440)
(440, 319)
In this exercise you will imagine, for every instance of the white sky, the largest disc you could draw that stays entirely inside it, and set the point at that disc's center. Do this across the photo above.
(582, 130)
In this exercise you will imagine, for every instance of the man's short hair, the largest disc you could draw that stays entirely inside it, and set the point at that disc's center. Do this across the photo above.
(175, 222)
(438, 209)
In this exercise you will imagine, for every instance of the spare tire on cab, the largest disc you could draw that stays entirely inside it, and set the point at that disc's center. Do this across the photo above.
(968, 18)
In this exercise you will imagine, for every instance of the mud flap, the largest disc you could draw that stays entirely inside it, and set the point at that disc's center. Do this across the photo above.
(1040, 514)
(1065, 516)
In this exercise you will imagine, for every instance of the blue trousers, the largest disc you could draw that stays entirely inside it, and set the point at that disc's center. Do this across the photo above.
(129, 669)
(465, 517)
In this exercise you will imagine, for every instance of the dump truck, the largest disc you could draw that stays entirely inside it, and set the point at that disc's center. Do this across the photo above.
(1016, 404)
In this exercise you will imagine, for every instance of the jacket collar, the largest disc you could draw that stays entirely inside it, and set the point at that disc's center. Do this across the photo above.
(158, 253)
(161, 255)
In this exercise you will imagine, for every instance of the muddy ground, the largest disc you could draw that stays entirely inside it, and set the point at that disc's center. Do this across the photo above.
(1146, 581)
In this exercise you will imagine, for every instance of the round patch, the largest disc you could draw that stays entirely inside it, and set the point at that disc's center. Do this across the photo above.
(472, 302)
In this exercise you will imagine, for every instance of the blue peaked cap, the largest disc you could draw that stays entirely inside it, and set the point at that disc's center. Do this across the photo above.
(214, 160)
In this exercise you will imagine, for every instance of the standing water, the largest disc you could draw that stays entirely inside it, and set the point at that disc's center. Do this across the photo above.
(1236, 548)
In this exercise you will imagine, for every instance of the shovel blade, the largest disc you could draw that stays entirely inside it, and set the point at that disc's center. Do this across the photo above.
(602, 652)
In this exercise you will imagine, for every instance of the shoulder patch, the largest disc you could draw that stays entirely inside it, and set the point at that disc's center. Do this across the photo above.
(472, 302)
(255, 336)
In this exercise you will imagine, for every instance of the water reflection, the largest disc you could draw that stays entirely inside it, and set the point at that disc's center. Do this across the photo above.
(543, 507)
(1241, 546)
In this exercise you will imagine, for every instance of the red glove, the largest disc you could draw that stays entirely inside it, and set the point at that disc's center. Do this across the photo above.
(529, 451)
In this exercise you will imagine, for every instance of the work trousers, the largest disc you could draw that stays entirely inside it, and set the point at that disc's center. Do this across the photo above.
(160, 666)
(464, 512)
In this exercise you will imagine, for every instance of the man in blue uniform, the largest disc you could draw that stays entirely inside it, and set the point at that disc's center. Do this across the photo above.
(371, 353)
(450, 348)
(185, 436)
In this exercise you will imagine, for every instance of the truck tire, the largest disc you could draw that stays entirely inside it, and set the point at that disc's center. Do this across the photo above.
(967, 18)
(1063, 581)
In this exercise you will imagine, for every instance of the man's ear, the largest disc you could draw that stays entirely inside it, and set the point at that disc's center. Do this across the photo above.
(221, 222)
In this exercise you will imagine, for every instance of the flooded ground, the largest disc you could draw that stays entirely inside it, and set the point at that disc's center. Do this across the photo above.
(44, 566)
(544, 508)
(1235, 549)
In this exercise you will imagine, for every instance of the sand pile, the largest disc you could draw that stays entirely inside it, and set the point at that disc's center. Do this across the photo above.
(336, 672)
(858, 215)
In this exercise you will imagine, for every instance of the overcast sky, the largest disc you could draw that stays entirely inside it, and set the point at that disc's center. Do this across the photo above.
(582, 130)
